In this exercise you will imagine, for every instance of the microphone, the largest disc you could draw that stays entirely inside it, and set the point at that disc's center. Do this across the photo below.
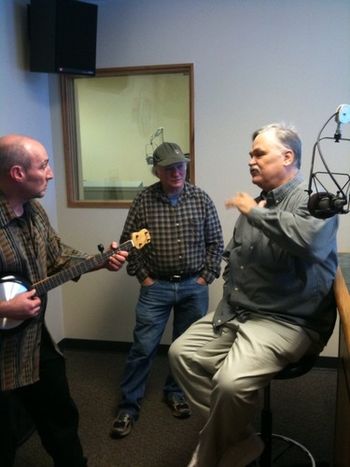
(324, 205)
(342, 116)
(159, 132)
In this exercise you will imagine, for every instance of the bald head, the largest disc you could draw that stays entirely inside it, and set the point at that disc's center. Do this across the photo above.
(16, 150)
(24, 169)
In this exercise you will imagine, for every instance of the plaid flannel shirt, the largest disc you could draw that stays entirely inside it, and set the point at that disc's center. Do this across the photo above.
(31, 249)
(185, 238)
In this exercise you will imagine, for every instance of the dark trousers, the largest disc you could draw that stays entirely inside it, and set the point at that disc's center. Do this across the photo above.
(52, 410)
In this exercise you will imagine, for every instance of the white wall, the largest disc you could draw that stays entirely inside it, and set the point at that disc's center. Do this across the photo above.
(254, 62)
(25, 108)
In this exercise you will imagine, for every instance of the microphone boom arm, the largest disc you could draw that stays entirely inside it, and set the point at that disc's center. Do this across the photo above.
(325, 204)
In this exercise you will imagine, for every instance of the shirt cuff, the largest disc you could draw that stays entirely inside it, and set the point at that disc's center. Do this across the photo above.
(141, 275)
(207, 276)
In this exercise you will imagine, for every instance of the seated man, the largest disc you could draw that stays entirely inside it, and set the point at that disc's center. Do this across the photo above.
(277, 303)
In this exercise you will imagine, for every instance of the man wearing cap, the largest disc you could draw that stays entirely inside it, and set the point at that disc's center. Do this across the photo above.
(174, 271)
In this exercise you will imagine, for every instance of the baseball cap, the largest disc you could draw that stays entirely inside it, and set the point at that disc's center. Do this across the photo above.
(167, 154)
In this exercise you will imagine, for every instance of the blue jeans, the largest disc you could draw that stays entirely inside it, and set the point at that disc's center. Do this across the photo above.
(189, 300)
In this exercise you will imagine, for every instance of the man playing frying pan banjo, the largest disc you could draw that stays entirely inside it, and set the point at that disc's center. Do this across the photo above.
(31, 368)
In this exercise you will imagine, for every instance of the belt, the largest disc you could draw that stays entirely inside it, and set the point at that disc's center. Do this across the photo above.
(173, 277)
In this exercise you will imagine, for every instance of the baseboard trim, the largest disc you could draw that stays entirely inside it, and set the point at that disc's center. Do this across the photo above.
(327, 362)
(100, 345)
(118, 346)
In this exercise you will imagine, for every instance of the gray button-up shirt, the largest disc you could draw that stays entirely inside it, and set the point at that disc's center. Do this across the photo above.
(282, 263)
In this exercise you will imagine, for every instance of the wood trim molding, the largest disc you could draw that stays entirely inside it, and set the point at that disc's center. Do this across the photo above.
(342, 297)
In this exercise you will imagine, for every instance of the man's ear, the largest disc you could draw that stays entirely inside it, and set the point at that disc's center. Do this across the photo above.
(17, 173)
(289, 157)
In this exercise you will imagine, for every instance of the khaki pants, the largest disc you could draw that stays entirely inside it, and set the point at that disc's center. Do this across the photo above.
(221, 373)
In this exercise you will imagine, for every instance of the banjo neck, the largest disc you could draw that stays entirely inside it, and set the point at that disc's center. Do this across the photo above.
(76, 270)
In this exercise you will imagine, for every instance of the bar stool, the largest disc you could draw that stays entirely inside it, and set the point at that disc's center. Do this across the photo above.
(291, 371)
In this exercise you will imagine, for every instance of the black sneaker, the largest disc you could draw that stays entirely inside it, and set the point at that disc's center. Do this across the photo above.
(122, 425)
(179, 406)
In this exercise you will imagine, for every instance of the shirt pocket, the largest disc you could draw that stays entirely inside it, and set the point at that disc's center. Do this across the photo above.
(195, 230)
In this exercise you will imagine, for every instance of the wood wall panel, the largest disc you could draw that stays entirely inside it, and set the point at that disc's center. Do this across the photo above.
(342, 422)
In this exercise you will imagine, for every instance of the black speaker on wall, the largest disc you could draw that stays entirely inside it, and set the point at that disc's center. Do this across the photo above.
(62, 36)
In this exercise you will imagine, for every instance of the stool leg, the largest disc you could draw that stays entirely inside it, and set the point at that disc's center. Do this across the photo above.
(266, 430)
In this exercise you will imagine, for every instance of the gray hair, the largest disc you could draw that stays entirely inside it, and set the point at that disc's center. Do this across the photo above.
(287, 136)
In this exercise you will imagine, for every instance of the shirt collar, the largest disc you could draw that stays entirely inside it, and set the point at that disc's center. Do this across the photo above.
(186, 191)
(276, 195)
(7, 214)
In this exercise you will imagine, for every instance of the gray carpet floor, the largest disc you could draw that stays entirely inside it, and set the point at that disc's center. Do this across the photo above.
(303, 409)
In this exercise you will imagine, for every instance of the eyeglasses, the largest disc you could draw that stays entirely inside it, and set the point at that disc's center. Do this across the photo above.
(181, 167)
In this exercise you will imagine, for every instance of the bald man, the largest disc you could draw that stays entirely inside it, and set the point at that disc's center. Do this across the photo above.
(31, 367)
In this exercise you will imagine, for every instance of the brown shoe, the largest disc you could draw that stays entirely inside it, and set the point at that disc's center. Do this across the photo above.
(179, 406)
(122, 425)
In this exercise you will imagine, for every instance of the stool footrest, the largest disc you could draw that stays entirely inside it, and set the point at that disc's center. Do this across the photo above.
(295, 443)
